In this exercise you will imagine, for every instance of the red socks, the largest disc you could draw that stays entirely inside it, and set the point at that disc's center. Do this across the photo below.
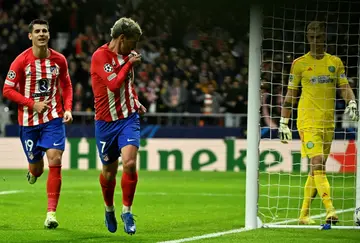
(53, 187)
(128, 185)
(108, 189)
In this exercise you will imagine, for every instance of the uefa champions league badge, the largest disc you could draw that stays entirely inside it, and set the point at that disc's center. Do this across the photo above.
(325, 227)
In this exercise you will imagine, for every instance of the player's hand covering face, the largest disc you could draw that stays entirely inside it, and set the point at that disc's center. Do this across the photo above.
(40, 35)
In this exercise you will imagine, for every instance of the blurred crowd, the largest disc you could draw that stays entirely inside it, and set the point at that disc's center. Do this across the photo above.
(194, 60)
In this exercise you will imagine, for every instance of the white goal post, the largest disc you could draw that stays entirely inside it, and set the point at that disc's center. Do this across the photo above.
(276, 201)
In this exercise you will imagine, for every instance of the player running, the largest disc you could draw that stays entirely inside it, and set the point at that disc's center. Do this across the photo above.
(318, 73)
(33, 83)
(117, 124)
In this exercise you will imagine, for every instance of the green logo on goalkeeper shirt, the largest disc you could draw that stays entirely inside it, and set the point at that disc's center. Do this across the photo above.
(310, 145)
(331, 69)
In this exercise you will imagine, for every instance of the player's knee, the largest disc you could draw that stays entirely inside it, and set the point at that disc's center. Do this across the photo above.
(317, 163)
(129, 164)
(54, 157)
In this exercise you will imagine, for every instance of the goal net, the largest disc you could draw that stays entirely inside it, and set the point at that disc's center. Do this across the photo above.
(282, 170)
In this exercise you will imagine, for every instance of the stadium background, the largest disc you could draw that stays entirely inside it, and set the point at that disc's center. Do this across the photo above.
(191, 53)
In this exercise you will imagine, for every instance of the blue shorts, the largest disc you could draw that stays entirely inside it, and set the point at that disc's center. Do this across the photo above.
(37, 139)
(111, 137)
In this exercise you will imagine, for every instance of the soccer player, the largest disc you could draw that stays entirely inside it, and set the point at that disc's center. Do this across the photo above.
(319, 74)
(117, 124)
(33, 83)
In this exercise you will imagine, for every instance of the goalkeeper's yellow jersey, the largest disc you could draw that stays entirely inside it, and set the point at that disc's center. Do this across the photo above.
(318, 80)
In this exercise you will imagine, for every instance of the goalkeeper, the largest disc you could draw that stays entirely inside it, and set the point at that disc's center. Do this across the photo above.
(319, 74)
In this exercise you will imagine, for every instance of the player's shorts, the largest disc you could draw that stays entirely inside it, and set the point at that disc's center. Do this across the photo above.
(37, 139)
(111, 137)
(316, 142)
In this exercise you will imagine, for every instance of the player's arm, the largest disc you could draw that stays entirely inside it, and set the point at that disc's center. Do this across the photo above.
(347, 93)
(67, 91)
(289, 102)
(112, 79)
(14, 76)
(142, 109)
(66, 85)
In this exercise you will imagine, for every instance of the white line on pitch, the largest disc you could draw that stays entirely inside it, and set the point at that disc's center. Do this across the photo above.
(10, 192)
(212, 235)
(313, 217)
(217, 234)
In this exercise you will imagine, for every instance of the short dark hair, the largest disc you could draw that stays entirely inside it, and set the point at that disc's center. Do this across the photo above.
(37, 21)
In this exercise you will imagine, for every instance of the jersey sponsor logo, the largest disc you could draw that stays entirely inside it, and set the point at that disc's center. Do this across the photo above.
(310, 145)
(11, 75)
(44, 89)
(331, 69)
(108, 68)
(323, 79)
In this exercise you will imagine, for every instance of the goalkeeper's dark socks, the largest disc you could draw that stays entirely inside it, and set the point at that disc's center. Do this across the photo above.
(323, 187)
(108, 189)
(53, 187)
(128, 185)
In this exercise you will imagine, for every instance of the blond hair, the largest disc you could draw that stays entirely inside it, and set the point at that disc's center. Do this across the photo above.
(126, 26)
(316, 26)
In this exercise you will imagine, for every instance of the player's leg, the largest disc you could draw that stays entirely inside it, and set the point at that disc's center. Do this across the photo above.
(29, 137)
(129, 143)
(331, 216)
(309, 190)
(317, 155)
(106, 141)
(53, 141)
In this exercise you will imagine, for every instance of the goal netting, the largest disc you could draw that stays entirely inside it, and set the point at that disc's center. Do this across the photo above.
(282, 171)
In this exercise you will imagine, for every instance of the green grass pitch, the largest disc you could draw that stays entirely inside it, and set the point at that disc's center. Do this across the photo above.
(168, 205)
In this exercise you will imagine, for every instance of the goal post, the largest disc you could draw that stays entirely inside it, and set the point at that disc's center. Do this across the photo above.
(253, 120)
(277, 37)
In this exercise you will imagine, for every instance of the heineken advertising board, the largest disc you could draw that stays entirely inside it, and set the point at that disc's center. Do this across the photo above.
(192, 155)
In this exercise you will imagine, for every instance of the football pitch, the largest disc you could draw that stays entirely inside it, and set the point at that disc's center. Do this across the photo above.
(169, 207)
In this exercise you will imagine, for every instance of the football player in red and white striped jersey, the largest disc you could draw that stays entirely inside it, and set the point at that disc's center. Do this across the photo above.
(38, 81)
(117, 124)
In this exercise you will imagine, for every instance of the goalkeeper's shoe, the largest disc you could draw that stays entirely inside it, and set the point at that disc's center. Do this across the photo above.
(306, 220)
(331, 217)
(31, 178)
(129, 223)
(50, 221)
(110, 221)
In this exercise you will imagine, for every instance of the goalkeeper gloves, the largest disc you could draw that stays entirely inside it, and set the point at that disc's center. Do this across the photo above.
(352, 111)
(284, 131)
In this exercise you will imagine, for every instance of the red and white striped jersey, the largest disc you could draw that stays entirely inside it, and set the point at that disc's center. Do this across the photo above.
(31, 80)
(112, 79)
